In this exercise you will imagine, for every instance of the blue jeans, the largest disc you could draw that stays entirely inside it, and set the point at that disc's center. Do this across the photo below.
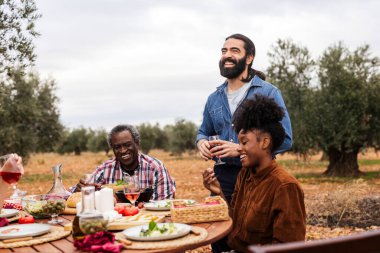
(227, 175)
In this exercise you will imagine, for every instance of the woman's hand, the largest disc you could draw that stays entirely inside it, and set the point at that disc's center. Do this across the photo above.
(210, 181)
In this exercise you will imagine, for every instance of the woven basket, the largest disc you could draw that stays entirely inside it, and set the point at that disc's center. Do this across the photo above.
(214, 209)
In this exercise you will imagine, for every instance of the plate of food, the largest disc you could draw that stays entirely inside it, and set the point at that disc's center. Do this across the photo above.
(6, 213)
(164, 205)
(23, 230)
(157, 231)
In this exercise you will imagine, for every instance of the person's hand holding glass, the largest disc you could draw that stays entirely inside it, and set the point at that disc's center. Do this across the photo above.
(87, 179)
(11, 171)
(132, 188)
(214, 138)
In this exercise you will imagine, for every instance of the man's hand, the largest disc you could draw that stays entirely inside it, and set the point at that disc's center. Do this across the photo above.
(82, 183)
(223, 148)
(204, 149)
(210, 181)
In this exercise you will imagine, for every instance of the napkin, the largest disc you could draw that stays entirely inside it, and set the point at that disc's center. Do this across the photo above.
(12, 204)
(98, 242)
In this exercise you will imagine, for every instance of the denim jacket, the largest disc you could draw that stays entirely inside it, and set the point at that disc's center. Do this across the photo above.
(217, 118)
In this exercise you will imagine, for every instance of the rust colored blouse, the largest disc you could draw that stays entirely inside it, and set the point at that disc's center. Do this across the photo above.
(267, 207)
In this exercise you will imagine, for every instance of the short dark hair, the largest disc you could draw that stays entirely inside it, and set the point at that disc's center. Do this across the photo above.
(250, 49)
(120, 128)
(263, 114)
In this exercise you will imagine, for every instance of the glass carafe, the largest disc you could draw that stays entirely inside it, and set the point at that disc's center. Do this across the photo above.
(58, 188)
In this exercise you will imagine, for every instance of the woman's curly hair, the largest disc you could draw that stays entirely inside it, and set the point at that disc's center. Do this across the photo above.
(261, 113)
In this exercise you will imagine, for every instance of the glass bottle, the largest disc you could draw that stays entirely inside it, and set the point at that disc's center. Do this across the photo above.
(90, 220)
(58, 187)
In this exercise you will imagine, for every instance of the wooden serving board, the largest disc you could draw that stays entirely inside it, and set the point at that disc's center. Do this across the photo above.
(128, 221)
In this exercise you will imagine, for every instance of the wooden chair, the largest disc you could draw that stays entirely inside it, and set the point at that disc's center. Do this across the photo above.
(365, 242)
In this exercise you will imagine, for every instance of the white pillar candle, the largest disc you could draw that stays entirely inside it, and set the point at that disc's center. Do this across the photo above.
(106, 199)
(98, 203)
(79, 207)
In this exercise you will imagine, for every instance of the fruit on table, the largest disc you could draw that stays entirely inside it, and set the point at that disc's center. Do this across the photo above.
(126, 210)
(26, 220)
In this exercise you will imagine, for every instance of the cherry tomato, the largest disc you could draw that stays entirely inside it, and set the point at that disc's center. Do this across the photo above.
(26, 220)
(134, 210)
(128, 211)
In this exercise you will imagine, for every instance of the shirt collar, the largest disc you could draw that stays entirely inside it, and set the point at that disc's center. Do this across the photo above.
(256, 81)
(118, 164)
(258, 176)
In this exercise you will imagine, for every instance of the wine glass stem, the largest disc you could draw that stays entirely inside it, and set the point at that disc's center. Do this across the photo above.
(14, 187)
(54, 218)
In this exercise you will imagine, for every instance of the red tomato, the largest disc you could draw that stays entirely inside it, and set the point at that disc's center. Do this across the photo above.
(119, 209)
(134, 210)
(25, 220)
(128, 211)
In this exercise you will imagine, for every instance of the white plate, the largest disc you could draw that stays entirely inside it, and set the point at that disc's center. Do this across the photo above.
(23, 230)
(160, 205)
(5, 213)
(133, 233)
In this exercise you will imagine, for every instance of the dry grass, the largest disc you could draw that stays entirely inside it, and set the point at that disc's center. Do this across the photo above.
(325, 197)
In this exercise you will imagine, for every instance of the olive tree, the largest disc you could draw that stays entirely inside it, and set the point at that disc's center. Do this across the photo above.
(346, 107)
(291, 69)
(17, 30)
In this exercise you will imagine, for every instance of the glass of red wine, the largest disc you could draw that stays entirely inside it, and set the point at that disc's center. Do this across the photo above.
(11, 172)
(214, 138)
(132, 188)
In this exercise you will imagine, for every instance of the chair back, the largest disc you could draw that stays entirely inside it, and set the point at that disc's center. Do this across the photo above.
(365, 242)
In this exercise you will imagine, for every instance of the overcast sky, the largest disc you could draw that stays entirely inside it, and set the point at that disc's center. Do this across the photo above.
(135, 61)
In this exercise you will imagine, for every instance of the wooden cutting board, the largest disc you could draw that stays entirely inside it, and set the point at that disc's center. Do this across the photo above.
(128, 221)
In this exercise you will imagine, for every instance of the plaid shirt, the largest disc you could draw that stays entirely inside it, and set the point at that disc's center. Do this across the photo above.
(151, 172)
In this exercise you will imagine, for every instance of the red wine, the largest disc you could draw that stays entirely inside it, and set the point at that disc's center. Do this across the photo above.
(132, 196)
(10, 177)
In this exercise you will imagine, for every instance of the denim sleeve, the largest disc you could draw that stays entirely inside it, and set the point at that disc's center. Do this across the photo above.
(206, 129)
(287, 144)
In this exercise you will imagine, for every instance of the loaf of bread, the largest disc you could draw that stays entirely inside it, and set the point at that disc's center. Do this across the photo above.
(74, 199)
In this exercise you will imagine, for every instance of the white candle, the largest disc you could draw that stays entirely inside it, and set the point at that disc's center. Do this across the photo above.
(98, 205)
(106, 199)
(79, 207)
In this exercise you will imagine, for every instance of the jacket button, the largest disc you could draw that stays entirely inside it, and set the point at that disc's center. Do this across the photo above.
(232, 140)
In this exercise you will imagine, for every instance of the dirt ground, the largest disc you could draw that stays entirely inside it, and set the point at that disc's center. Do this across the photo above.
(187, 169)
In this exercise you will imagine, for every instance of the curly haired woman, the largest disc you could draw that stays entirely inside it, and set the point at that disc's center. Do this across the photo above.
(268, 203)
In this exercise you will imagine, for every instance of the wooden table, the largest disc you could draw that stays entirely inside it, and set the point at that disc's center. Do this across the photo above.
(216, 230)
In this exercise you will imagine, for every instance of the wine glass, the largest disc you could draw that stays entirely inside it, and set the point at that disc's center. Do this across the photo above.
(131, 188)
(214, 138)
(11, 171)
(89, 178)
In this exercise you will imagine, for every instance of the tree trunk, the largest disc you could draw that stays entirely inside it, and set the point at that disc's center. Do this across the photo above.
(343, 163)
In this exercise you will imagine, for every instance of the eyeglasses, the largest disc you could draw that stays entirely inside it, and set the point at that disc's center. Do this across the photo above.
(118, 147)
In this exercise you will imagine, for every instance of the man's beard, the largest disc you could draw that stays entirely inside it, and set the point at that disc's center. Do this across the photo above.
(232, 72)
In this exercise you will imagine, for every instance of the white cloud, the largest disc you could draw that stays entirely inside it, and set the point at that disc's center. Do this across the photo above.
(138, 61)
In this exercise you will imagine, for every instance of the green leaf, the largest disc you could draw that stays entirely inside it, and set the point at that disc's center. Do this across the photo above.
(152, 226)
